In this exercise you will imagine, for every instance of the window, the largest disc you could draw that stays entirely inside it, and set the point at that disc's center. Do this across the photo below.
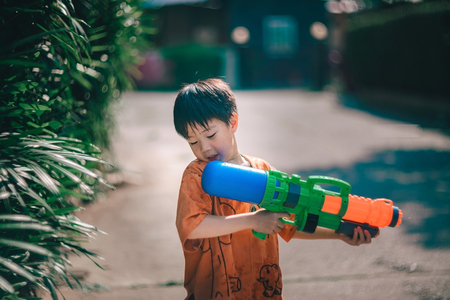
(280, 36)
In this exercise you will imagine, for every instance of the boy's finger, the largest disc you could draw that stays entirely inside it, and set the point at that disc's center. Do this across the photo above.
(355, 236)
(360, 237)
(284, 215)
(368, 237)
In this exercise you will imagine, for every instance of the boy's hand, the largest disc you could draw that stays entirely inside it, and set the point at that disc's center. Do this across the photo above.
(359, 237)
(268, 222)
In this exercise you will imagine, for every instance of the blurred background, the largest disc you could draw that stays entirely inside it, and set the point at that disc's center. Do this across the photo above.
(382, 53)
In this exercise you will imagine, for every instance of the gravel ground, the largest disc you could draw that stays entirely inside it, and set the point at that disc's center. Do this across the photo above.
(297, 132)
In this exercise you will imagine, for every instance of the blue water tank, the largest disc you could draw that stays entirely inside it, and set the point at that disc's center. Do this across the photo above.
(235, 182)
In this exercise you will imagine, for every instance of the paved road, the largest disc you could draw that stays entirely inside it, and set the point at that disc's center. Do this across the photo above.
(297, 132)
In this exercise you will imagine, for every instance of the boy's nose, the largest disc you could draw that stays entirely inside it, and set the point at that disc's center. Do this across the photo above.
(205, 147)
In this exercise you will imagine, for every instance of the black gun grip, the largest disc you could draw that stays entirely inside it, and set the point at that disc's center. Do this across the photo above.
(347, 228)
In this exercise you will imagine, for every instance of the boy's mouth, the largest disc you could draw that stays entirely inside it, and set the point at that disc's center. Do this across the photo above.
(213, 157)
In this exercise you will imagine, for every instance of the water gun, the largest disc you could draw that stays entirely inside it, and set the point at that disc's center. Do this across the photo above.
(311, 204)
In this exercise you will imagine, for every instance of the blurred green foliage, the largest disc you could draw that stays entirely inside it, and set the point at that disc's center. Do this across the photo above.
(66, 62)
(192, 62)
(63, 63)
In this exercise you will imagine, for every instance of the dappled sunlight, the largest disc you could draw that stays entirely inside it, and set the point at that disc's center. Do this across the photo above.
(420, 177)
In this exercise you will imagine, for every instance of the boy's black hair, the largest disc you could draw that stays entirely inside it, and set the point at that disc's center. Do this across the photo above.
(199, 102)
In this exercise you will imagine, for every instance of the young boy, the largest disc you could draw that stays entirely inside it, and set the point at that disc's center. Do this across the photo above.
(223, 259)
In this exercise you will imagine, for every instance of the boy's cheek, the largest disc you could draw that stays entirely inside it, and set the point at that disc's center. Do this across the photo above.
(199, 155)
(194, 149)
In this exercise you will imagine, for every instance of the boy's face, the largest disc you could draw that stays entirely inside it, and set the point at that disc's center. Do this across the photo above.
(215, 142)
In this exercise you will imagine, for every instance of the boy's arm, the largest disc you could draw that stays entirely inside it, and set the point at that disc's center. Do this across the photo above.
(261, 220)
(359, 237)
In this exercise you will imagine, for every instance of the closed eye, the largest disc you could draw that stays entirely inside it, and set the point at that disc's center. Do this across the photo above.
(212, 135)
(193, 143)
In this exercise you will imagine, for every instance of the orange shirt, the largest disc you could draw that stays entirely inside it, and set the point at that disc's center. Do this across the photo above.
(233, 266)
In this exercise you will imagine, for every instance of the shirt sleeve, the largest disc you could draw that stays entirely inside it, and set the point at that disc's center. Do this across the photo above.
(288, 231)
(193, 206)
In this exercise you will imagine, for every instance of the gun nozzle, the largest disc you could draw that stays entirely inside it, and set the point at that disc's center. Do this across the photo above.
(400, 216)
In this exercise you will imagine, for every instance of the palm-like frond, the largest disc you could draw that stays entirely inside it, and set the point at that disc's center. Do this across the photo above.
(35, 230)
(76, 57)
(62, 64)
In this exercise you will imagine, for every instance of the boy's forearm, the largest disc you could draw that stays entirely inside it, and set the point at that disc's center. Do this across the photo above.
(213, 226)
(359, 236)
(321, 233)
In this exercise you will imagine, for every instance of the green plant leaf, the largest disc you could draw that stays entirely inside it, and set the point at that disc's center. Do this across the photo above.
(15, 268)
(26, 246)
(81, 80)
(49, 284)
(24, 63)
(26, 226)
(12, 188)
(18, 218)
(6, 286)
(48, 181)
(78, 195)
(20, 181)
(74, 178)
(55, 124)
(66, 210)
(4, 195)
(29, 39)
(67, 162)
(16, 125)
(35, 196)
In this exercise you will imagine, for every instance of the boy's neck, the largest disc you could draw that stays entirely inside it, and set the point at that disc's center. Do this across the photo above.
(241, 160)
(245, 162)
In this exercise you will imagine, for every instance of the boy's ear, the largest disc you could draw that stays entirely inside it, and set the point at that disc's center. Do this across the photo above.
(234, 122)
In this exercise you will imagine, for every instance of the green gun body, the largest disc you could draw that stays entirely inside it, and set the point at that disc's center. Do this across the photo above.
(311, 204)
(304, 199)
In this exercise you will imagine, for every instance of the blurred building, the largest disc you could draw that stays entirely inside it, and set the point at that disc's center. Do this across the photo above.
(388, 54)
(394, 57)
(251, 44)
